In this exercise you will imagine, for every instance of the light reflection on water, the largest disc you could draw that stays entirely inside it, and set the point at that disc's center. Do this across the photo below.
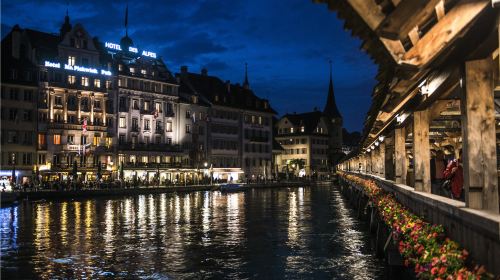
(296, 233)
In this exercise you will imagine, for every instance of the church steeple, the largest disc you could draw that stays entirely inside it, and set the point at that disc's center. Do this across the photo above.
(331, 109)
(245, 83)
(66, 26)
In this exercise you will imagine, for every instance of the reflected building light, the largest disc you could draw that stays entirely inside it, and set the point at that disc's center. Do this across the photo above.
(141, 211)
(88, 219)
(292, 219)
(205, 214)
(187, 208)
(163, 208)
(64, 222)
(127, 212)
(151, 211)
(108, 230)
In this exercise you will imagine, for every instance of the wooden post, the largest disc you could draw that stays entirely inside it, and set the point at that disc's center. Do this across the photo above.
(421, 151)
(400, 155)
(479, 138)
(381, 170)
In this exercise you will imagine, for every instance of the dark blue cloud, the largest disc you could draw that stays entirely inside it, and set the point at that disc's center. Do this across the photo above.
(287, 44)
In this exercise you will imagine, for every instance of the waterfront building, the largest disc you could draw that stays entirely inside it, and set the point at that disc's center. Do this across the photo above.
(74, 115)
(312, 141)
(18, 113)
(113, 111)
(240, 131)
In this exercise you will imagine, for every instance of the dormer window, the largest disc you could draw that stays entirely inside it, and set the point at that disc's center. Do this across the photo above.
(71, 60)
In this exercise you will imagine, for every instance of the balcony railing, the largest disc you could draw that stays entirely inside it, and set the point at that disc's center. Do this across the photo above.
(150, 147)
(68, 126)
(151, 165)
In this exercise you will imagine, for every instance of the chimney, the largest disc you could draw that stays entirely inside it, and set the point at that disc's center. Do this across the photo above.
(184, 69)
(204, 71)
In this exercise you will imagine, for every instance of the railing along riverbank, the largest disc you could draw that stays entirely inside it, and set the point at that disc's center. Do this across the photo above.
(424, 226)
(9, 197)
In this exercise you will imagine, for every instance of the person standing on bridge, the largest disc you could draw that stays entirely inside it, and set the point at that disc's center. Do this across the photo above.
(455, 173)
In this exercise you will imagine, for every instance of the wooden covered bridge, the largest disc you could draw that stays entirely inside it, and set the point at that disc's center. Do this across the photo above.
(438, 93)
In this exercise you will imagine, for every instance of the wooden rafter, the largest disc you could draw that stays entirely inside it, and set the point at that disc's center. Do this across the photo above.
(407, 15)
(369, 11)
(444, 32)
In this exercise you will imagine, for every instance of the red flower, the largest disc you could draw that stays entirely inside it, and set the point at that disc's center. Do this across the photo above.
(442, 270)
(434, 270)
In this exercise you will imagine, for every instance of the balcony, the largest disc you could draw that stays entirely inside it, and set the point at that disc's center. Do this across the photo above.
(68, 126)
(159, 130)
(123, 109)
(150, 147)
(151, 165)
(135, 129)
(258, 139)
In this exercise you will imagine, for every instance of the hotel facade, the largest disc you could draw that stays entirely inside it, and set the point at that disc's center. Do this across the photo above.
(75, 108)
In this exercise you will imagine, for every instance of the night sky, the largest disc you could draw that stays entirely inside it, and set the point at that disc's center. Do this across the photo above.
(287, 44)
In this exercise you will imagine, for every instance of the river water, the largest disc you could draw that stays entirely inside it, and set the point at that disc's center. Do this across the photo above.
(295, 233)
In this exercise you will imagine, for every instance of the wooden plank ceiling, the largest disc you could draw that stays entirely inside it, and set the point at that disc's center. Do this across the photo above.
(406, 38)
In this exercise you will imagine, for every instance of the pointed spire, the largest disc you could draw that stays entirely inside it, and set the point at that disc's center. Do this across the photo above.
(245, 83)
(66, 26)
(331, 109)
(126, 21)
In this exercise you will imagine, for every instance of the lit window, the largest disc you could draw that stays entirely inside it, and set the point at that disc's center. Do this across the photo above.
(71, 79)
(97, 83)
(146, 106)
(169, 126)
(122, 122)
(108, 84)
(120, 82)
(260, 120)
(97, 140)
(158, 107)
(109, 141)
(302, 129)
(143, 71)
(291, 130)
(85, 81)
(57, 139)
(132, 70)
(120, 67)
(71, 60)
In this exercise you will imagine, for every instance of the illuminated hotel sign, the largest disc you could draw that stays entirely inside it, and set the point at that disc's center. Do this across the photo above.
(117, 47)
(77, 68)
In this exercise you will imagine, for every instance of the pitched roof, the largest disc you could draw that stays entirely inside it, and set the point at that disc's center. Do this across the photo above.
(222, 93)
(309, 120)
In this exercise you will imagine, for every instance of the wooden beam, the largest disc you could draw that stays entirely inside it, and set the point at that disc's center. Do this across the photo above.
(413, 34)
(479, 139)
(395, 48)
(381, 171)
(369, 11)
(407, 15)
(421, 151)
(440, 10)
(444, 32)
